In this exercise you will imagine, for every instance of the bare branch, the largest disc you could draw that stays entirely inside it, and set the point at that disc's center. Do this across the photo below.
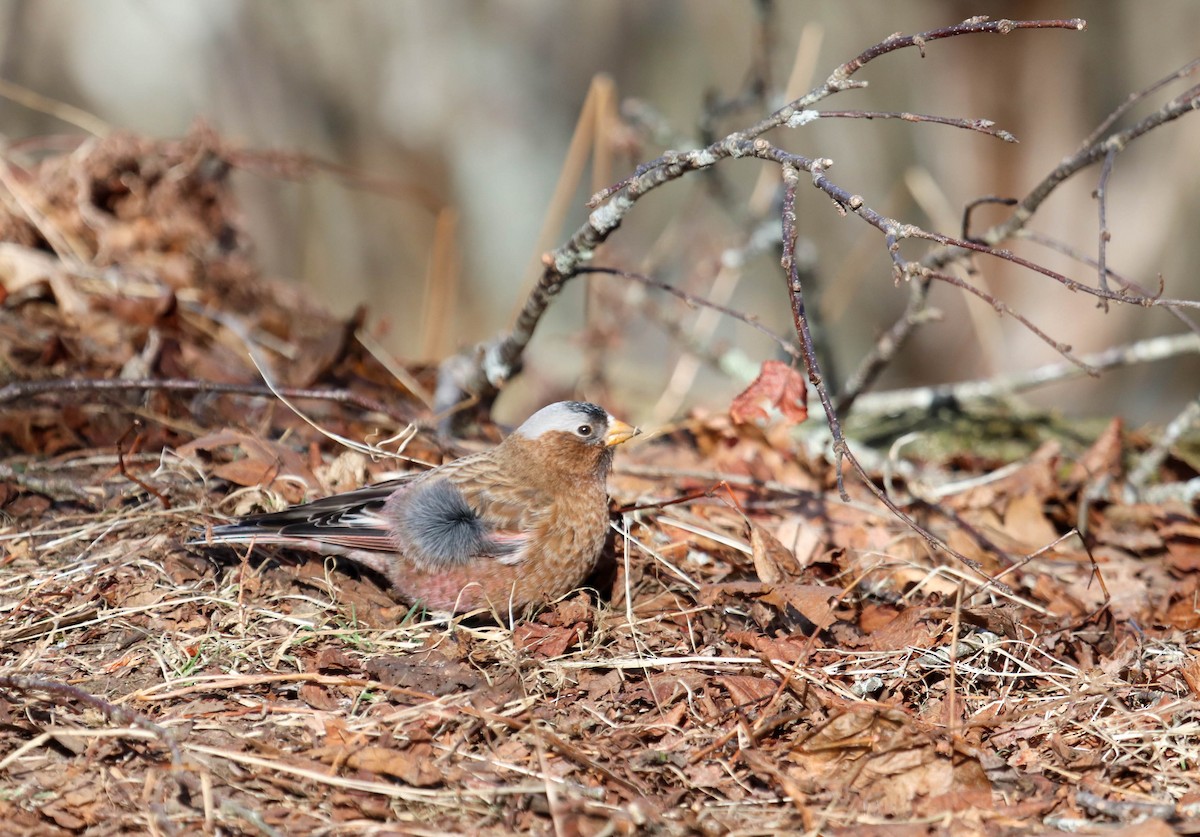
(1061, 247)
(983, 126)
(791, 179)
(693, 300)
(1181, 105)
(925, 398)
(1153, 459)
(1003, 308)
(973, 205)
(1183, 72)
(30, 389)
(895, 337)
(1101, 195)
(477, 375)
(115, 713)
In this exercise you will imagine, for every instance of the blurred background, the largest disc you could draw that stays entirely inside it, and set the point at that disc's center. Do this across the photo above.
(466, 111)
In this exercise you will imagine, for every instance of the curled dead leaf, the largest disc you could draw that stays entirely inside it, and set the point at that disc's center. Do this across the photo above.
(773, 562)
(779, 393)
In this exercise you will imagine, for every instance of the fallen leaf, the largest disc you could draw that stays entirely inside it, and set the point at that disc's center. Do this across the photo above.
(1025, 521)
(23, 266)
(885, 759)
(778, 393)
(1102, 459)
(415, 766)
(774, 648)
(335, 661)
(811, 600)
(772, 560)
(247, 472)
(544, 641)
(425, 671)
(912, 628)
(318, 697)
(745, 691)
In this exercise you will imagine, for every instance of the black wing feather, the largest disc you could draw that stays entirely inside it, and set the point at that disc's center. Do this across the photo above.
(319, 518)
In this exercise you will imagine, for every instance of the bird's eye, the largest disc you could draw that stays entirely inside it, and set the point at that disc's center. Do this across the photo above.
(584, 430)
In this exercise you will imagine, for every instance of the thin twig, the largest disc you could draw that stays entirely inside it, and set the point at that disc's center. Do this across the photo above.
(1003, 308)
(983, 126)
(1153, 459)
(693, 300)
(30, 389)
(791, 179)
(1179, 106)
(975, 204)
(926, 398)
(1067, 250)
(897, 335)
(60, 110)
(115, 713)
(1133, 98)
(1101, 195)
(935, 543)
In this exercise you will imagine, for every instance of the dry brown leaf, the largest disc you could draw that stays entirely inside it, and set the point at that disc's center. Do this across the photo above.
(745, 690)
(813, 601)
(415, 766)
(801, 537)
(318, 696)
(284, 460)
(912, 628)
(773, 648)
(1132, 528)
(576, 611)
(544, 641)
(874, 616)
(1183, 543)
(1037, 476)
(1175, 528)
(77, 805)
(23, 266)
(1025, 521)
(661, 690)
(772, 560)
(335, 661)
(1183, 614)
(778, 393)
(426, 671)
(882, 757)
(1102, 459)
(1183, 555)
(248, 472)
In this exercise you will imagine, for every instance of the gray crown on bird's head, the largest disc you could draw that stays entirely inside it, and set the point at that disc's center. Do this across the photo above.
(566, 417)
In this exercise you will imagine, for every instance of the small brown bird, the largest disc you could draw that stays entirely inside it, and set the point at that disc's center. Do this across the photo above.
(517, 525)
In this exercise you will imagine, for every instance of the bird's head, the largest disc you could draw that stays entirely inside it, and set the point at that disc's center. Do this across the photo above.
(572, 437)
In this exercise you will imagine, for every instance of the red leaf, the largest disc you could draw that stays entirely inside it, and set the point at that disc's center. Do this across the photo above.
(779, 392)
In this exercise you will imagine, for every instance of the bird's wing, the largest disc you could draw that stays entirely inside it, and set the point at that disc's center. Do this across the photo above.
(352, 520)
(500, 496)
(468, 510)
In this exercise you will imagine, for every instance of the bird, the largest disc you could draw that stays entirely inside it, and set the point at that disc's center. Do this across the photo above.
(512, 527)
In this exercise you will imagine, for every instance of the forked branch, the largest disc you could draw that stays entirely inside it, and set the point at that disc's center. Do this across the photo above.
(477, 375)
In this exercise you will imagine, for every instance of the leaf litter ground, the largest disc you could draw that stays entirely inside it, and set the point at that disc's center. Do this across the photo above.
(762, 658)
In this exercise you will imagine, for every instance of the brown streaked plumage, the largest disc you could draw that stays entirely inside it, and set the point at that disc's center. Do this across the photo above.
(517, 525)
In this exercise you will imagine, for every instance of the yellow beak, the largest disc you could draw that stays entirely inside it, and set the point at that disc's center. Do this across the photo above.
(618, 432)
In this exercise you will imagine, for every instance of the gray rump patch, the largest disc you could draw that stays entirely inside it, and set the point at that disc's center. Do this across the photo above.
(437, 520)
